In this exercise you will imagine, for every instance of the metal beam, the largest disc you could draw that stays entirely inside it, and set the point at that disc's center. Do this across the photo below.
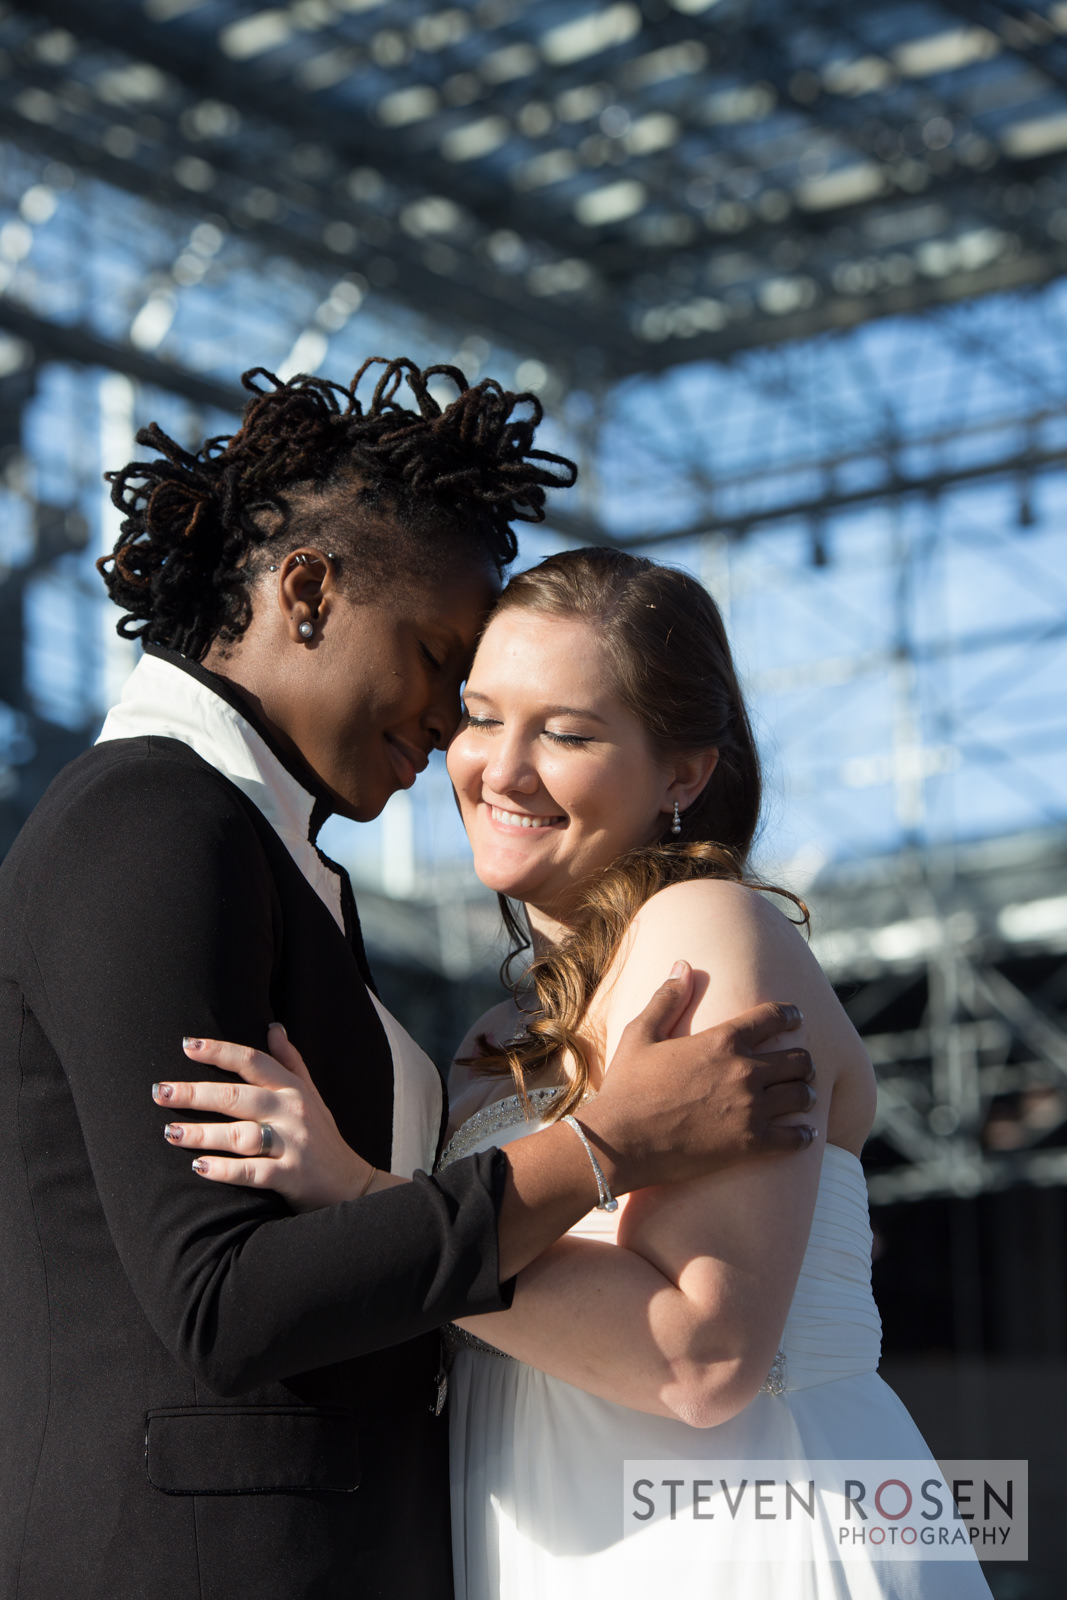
(1024, 462)
(930, 1181)
(354, 140)
(57, 341)
(1017, 1009)
(475, 295)
(487, 298)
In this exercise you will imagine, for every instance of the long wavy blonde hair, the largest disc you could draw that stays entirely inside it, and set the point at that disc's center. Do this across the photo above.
(671, 667)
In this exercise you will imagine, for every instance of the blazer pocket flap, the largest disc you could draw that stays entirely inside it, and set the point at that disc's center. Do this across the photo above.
(252, 1450)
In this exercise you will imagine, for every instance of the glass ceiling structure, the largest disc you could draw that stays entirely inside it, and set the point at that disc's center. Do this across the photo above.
(618, 186)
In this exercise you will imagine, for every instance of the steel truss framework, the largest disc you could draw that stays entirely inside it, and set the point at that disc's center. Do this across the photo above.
(632, 183)
(744, 252)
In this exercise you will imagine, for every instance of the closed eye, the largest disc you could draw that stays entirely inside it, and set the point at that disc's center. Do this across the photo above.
(428, 656)
(568, 740)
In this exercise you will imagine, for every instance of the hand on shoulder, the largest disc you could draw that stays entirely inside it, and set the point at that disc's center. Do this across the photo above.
(741, 946)
(744, 950)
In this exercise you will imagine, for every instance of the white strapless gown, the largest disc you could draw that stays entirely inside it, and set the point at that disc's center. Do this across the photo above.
(537, 1466)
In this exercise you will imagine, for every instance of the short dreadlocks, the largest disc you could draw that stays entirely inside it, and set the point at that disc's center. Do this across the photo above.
(398, 492)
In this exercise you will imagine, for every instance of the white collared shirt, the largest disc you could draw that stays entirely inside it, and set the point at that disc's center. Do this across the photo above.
(162, 700)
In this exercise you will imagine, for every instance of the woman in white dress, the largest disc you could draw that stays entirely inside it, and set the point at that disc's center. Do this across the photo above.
(608, 781)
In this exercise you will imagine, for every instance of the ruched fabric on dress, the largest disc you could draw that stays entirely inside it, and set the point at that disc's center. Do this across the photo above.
(833, 1330)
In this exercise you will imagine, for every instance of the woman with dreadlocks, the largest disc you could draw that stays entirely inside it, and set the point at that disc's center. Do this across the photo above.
(206, 1394)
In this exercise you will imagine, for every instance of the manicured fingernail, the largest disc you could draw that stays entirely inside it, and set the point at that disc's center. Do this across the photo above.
(280, 1025)
(192, 1044)
(174, 1132)
(795, 1013)
(162, 1091)
(677, 969)
(200, 1165)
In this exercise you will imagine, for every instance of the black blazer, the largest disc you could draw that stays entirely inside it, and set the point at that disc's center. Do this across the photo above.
(204, 1395)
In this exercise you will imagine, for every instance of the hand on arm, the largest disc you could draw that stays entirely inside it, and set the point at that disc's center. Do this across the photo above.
(683, 1315)
(670, 1108)
(592, 1313)
(308, 1161)
(666, 1116)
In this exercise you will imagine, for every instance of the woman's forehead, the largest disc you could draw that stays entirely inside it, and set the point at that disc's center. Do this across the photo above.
(543, 646)
(437, 582)
(460, 599)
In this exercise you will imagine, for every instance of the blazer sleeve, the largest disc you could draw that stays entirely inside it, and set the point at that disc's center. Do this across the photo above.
(156, 915)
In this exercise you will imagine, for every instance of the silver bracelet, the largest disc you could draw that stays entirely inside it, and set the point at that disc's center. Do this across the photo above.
(607, 1201)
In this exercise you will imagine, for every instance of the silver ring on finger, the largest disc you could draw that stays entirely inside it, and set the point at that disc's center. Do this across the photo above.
(267, 1139)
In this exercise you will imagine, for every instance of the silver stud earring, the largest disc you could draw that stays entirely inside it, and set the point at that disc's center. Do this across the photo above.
(676, 825)
(305, 630)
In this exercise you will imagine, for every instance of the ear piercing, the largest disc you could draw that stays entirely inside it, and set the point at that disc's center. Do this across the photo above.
(302, 561)
(305, 630)
(676, 825)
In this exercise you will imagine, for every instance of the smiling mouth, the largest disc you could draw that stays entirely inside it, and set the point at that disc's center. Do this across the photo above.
(522, 819)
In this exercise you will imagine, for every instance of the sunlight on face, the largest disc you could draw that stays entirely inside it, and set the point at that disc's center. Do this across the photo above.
(386, 690)
(555, 777)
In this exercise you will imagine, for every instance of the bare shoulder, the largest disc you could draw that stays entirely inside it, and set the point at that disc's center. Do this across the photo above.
(744, 949)
(719, 917)
(741, 943)
(723, 896)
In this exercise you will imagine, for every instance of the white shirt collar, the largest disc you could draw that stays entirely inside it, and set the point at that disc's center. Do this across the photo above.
(161, 698)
